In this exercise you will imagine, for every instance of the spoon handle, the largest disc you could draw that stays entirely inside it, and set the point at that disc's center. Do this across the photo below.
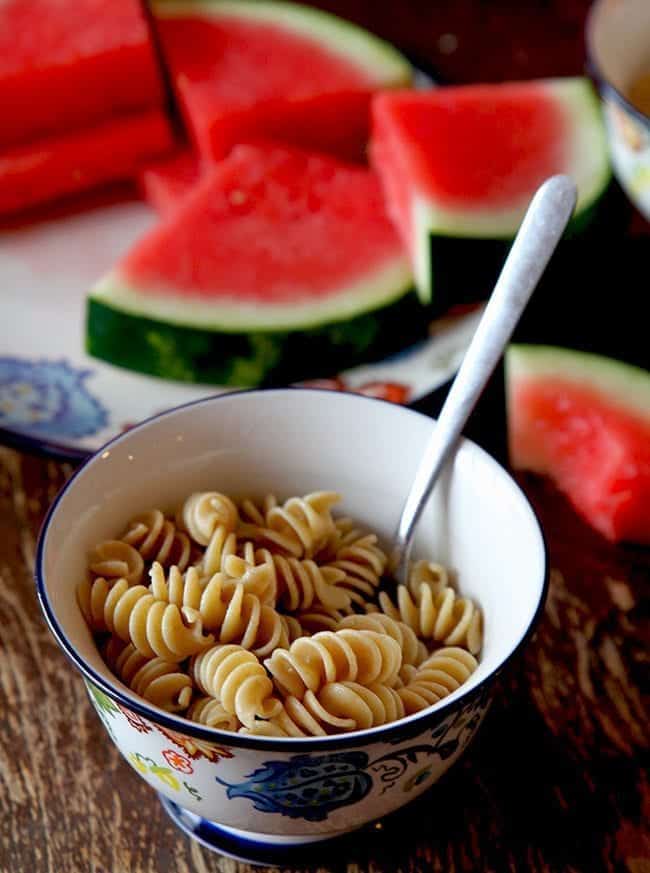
(547, 217)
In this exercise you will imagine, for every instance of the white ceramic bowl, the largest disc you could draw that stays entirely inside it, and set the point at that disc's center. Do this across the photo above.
(618, 45)
(286, 791)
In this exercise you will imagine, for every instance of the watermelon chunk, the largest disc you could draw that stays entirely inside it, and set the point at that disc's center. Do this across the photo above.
(584, 421)
(247, 70)
(72, 63)
(165, 183)
(62, 165)
(465, 161)
(279, 265)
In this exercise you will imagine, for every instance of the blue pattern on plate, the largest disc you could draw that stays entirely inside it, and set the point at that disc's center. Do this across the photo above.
(306, 787)
(48, 399)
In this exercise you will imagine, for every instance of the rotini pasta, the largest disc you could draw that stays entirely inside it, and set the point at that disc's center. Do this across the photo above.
(334, 656)
(204, 511)
(157, 539)
(274, 618)
(234, 677)
(156, 680)
(115, 559)
(438, 615)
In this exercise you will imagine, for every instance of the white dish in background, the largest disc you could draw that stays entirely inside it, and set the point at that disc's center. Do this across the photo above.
(55, 398)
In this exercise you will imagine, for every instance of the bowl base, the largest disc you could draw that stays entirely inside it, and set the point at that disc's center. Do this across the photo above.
(292, 851)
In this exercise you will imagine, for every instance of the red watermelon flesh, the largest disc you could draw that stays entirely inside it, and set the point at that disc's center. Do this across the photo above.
(71, 63)
(58, 166)
(165, 183)
(259, 227)
(584, 421)
(241, 79)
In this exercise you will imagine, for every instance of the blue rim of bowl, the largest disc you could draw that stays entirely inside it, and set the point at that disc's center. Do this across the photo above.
(405, 728)
(604, 85)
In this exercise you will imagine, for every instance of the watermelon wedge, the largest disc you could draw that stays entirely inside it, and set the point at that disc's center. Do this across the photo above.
(62, 165)
(246, 71)
(464, 162)
(279, 265)
(165, 183)
(584, 421)
(72, 63)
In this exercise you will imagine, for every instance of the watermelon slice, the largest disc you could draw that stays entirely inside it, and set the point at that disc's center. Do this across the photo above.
(279, 265)
(58, 166)
(464, 161)
(247, 70)
(72, 63)
(165, 183)
(584, 421)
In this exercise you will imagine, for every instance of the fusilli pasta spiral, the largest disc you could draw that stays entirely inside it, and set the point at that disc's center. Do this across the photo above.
(443, 672)
(208, 711)
(335, 656)
(115, 559)
(157, 539)
(413, 650)
(204, 511)
(299, 584)
(360, 558)
(234, 677)
(156, 680)
(299, 527)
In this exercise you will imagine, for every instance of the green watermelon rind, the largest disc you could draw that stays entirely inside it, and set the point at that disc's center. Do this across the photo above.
(589, 166)
(378, 58)
(378, 288)
(626, 385)
(249, 358)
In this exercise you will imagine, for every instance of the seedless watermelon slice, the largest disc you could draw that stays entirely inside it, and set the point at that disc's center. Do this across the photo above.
(74, 162)
(72, 63)
(279, 261)
(584, 421)
(247, 70)
(465, 161)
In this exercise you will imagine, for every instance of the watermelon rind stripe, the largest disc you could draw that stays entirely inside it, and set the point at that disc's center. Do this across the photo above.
(378, 288)
(626, 386)
(249, 358)
(380, 60)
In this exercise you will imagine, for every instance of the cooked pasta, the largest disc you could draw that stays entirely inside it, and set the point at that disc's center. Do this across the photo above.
(156, 680)
(438, 615)
(364, 656)
(274, 618)
(157, 539)
(204, 511)
(115, 559)
(234, 677)
(443, 672)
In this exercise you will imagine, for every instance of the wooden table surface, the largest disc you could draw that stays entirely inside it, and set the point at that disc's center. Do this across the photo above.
(555, 779)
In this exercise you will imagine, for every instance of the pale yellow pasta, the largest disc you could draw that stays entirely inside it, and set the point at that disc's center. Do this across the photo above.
(270, 618)
(413, 650)
(210, 712)
(157, 539)
(441, 616)
(204, 511)
(156, 680)
(443, 672)
(334, 656)
(300, 584)
(360, 558)
(234, 677)
(154, 627)
(115, 559)
(298, 527)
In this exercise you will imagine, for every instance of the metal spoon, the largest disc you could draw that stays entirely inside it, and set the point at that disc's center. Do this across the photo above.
(547, 217)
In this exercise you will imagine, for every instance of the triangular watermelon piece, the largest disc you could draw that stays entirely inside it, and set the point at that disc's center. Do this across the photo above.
(246, 71)
(465, 161)
(73, 63)
(584, 421)
(278, 262)
(61, 165)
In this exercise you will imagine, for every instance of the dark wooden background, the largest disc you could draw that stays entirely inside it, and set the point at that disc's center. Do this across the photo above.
(556, 779)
